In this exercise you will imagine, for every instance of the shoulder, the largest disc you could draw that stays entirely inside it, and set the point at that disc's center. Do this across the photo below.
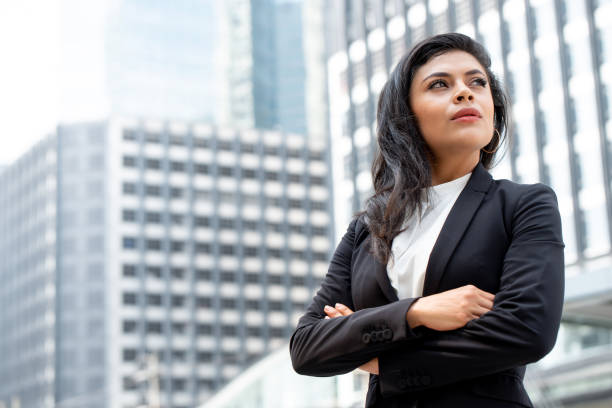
(520, 193)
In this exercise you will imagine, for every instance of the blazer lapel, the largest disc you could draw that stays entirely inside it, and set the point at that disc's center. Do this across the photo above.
(454, 226)
(383, 280)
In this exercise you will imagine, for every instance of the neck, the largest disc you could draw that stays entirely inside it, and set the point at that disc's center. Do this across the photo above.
(448, 169)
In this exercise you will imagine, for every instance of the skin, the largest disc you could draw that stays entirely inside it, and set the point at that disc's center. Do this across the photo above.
(455, 146)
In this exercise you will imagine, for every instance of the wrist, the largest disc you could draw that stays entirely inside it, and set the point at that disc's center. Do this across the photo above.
(413, 315)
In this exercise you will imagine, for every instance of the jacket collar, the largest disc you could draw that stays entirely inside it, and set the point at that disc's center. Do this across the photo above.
(454, 226)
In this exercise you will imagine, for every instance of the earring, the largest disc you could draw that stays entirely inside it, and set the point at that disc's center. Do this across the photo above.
(497, 147)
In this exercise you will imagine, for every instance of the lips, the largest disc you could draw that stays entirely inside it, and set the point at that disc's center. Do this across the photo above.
(467, 112)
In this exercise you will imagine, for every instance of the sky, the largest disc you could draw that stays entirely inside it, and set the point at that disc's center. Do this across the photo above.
(50, 54)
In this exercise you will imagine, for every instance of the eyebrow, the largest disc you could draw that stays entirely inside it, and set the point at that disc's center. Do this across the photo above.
(446, 74)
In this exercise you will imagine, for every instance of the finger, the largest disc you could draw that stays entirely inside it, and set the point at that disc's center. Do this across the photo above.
(479, 311)
(487, 295)
(331, 312)
(485, 302)
(343, 309)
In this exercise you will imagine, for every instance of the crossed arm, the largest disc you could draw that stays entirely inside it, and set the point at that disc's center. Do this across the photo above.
(520, 328)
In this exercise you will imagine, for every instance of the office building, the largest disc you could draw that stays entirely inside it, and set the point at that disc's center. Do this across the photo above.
(151, 262)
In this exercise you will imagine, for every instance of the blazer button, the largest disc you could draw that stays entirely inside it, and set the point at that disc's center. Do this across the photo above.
(365, 338)
(387, 334)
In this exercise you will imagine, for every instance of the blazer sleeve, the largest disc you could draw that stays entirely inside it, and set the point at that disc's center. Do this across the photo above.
(521, 327)
(326, 347)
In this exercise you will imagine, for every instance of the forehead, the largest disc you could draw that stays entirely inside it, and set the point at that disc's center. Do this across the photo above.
(454, 62)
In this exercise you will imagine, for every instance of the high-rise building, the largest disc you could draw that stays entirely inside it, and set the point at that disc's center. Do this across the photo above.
(555, 57)
(265, 68)
(148, 262)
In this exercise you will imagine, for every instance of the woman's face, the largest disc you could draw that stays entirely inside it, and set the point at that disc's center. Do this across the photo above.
(440, 93)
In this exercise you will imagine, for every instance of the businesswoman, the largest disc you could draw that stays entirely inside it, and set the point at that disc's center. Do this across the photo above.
(449, 282)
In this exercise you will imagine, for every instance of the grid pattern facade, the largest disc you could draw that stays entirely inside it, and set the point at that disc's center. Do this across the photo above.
(169, 258)
(27, 271)
(221, 238)
(554, 57)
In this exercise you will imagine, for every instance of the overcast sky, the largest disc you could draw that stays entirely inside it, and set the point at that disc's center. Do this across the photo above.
(51, 56)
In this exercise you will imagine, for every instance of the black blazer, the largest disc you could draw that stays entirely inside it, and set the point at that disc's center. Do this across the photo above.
(504, 238)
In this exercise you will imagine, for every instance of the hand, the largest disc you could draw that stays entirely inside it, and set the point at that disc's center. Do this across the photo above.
(450, 310)
(340, 310)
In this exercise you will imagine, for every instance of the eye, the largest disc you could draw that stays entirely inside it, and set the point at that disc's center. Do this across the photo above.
(481, 81)
(434, 83)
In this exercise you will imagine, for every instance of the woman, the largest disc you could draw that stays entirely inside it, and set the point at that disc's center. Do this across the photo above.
(456, 280)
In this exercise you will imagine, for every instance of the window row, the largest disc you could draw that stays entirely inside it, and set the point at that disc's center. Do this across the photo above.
(223, 145)
(223, 249)
(158, 327)
(199, 168)
(157, 272)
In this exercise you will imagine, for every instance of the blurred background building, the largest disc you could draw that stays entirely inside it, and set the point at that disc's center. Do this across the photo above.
(197, 245)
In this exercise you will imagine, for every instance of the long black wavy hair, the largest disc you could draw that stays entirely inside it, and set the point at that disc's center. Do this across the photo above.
(401, 171)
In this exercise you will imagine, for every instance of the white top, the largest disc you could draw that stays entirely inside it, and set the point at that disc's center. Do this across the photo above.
(411, 248)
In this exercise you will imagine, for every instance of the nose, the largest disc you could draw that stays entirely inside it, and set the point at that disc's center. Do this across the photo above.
(463, 92)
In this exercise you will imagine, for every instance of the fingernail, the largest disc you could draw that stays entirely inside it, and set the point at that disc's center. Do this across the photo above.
(327, 307)
(339, 305)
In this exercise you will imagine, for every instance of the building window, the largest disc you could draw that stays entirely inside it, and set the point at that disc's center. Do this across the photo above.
(271, 175)
(129, 161)
(129, 270)
(201, 143)
(178, 301)
(129, 243)
(154, 300)
(177, 166)
(177, 140)
(129, 354)
(204, 357)
(177, 246)
(129, 135)
(154, 272)
(153, 164)
(298, 281)
(252, 304)
(203, 275)
(275, 279)
(227, 330)
(154, 327)
(129, 215)
(176, 192)
(201, 169)
(204, 329)
(152, 190)
(177, 273)
(202, 221)
(226, 171)
(227, 250)
(203, 302)
(254, 331)
(153, 217)
(226, 223)
(129, 188)
(228, 303)
(277, 332)
(153, 245)
(275, 305)
(202, 248)
(228, 276)
(249, 173)
(250, 251)
(317, 181)
(129, 298)
(129, 326)
(295, 178)
(224, 145)
(320, 256)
